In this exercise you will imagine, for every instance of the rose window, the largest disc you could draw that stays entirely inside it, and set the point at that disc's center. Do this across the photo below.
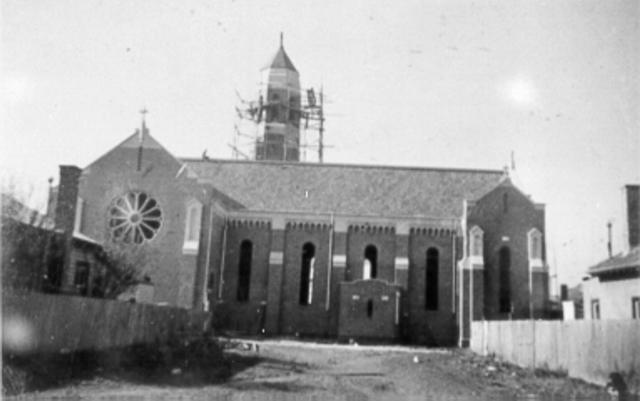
(134, 218)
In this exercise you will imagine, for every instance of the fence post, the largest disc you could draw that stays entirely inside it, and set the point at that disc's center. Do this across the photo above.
(485, 342)
(533, 343)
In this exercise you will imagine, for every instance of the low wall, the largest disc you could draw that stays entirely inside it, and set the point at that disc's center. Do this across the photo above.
(41, 323)
(585, 349)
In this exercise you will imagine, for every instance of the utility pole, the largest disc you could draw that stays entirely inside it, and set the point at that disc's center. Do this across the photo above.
(321, 127)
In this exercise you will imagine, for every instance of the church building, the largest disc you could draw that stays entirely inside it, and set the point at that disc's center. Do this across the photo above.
(276, 246)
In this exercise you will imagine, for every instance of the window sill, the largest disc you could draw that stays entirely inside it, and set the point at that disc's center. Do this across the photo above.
(190, 248)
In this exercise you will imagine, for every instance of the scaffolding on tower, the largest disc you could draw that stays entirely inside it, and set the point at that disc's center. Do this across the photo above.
(251, 114)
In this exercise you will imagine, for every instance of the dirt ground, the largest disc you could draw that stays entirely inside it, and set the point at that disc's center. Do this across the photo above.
(276, 370)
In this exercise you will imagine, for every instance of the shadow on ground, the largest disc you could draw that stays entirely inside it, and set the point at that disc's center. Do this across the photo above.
(187, 364)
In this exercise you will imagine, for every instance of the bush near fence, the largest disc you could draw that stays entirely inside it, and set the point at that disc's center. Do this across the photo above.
(586, 349)
(44, 323)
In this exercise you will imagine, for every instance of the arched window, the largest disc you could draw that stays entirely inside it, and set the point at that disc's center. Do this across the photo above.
(192, 227)
(476, 236)
(535, 244)
(306, 273)
(370, 265)
(505, 202)
(244, 271)
(370, 308)
(431, 285)
(504, 263)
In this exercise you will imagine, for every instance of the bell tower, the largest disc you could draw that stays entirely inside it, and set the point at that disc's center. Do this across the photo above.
(279, 131)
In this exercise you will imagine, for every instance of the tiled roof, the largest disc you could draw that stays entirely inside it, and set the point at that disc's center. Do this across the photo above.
(281, 61)
(621, 261)
(346, 189)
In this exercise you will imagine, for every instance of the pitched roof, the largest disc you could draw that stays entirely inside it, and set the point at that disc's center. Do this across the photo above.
(14, 209)
(281, 61)
(627, 260)
(346, 189)
(141, 138)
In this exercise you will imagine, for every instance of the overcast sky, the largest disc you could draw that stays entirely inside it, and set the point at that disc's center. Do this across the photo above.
(422, 83)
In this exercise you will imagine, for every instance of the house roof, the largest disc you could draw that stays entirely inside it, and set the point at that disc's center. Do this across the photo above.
(345, 189)
(281, 61)
(16, 210)
(627, 260)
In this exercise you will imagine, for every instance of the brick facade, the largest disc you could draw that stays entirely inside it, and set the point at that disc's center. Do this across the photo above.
(249, 263)
(506, 216)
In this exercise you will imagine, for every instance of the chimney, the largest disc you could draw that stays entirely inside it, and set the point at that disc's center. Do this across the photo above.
(564, 292)
(633, 214)
(67, 198)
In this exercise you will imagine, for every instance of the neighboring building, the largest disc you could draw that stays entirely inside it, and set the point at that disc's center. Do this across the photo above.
(276, 246)
(613, 288)
(33, 252)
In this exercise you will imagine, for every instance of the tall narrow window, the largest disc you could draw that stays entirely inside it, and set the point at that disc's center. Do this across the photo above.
(535, 244)
(476, 236)
(81, 278)
(306, 273)
(244, 271)
(595, 309)
(505, 202)
(504, 264)
(192, 228)
(431, 287)
(370, 308)
(370, 265)
(635, 307)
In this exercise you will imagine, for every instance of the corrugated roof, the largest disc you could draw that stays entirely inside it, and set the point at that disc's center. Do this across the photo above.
(621, 261)
(281, 61)
(346, 189)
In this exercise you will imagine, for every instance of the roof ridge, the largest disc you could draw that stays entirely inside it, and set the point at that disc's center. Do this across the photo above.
(343, 165)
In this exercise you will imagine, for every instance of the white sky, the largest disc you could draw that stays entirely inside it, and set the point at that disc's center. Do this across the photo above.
(425, 83)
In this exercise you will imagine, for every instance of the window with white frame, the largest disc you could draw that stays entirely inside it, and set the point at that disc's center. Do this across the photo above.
(78, 221)
(192, 229)
(535, 247)
(476, 236)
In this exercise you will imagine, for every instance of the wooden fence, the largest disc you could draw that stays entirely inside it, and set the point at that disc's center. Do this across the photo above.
(585, 349)
(39, 323)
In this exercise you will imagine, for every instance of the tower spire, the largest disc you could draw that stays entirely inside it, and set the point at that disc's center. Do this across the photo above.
(281, 39)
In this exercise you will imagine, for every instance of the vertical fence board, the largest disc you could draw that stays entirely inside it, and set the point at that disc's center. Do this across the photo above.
(585, 349)
(60, 323)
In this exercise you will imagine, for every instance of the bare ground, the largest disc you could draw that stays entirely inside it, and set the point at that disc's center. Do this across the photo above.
(296, 370)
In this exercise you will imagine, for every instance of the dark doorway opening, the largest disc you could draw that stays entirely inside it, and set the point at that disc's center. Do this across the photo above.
(244, 271)
(504, 263)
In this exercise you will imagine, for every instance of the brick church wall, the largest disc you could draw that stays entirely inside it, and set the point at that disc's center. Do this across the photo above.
(433, 327)
(172, 271)
(383, 238)
(310, 319)
(245, 316)
(506, 216)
